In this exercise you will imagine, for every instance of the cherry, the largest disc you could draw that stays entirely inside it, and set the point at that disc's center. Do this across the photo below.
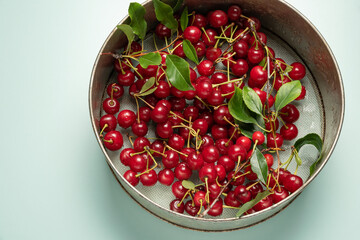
(209, 37)
(250, 174)
(280, 80)
(162, 90)
(256, 21)
(258, 137)
(111, 106)
(113, 140)
(115, 89)
(216, 98)
(195, 161)
(140, 129)
(177, 206)
(149, 178)
(126, 118)
(208, 172)
(182, 171)
(207, 116)
(262, 37)
(159, 114)
(227, 163)
(126, 79)
(240, 35)
(219, 132)
(200, 48)
(218, 77)
(289, 113)
(289, 131)
(213, 53)
(176, 92)
(269, 159)
(204, 88)
(192, 33)
(302, 94)
(223, 145)
(206, 68)
(263, 204)
(191, 209)
(221, 172)
(220, 113)
(176, 142)
(121, 65)
(254, 189)
(241, 48)
(271, 124)
(145, 114)
(282, 175)
(236, 151)
(292, 182)
(200, 125)
(135, 47)
(178, 49)
(130, 176)
(245, 142)
(157, 146)
(198, 20)
(178, 104)
(234, 12)
(199, 198)
(210, 154)
(255, 55)
(279, 194)
(164, 130)
(259, 77)
(138, 163)
(141, 143)
(164, 103)
(151, 100)
(228, 59)
(274, 142)
(171, 159)
(261, 94)
(162, 31)
(218, 18)
(178, 189)
(186, 151)
(185, 133)
(242, 194)
(125, 156)
(110, 120)
(217, 208)
(231, 200)
(240, 67)
(298, 71)
(227, 90)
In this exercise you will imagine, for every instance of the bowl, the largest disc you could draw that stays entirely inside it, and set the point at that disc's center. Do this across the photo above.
(296, 39)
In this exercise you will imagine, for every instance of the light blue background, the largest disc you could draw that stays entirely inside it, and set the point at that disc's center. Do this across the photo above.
(54, 182)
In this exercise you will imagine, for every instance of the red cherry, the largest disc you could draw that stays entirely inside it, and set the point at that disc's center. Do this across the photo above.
(269, 159)
(200, 48)
(210, 154)
(259, 137)
(182, 171)
(240, 67)
(279, 81)
(113, 140)
(138, 163)
(195, 161)
(111, 106)
(289, 113)
(270, 141)
(213, 53)
(236, 151)
(110, 120)
(130, 176)
(171, 159)
(126, 79)
(206, 68)
(126, 118)
(178, 189)
(263, 204)
(289, 131)
(198, 20)
(199, 198)
(140, 129)
(209, 37)
(217, 208)
(242, 194)
(280, 193)
(157, 146)
(125, 156)
(302, 94)
(218, 18)
(220, 114)
(234, 12)
(141, 143)
(292, 182)
(115, 89)
(231, 200)
(192, 33)
(255, 55)
(298, 71)
(258, 76)
(162, 31)
(241, 49)
(245, 142)
(149, 178)
(227, 163)
(177, 206)
(208, 172)
(164, 130)
(191, 208)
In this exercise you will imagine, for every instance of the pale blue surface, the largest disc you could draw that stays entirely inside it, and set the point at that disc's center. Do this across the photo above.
(54, 182)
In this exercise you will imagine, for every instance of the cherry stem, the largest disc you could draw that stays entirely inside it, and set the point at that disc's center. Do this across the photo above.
(137, 109)
(231, 207)
(234, 80)
(252, 185)
(183, 198)
(108, 141)
(102, 130)
(129, 137)
(175, 150)
(232, 135)
(150, 106)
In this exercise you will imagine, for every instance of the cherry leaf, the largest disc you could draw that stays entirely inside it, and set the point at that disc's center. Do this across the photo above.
(190, 51)
(148, 92)
(313, 139)
(252, 202)
(184, 19)
(238, 108)
(178, 72)
(147, 85)
(164, 13)
(138, 23)
(287, 93)
(188, 184)
(128, 32)
(252, 100)
(152, 58)
(259, 165)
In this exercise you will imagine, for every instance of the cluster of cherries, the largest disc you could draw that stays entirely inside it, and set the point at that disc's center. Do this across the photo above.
(196, 134)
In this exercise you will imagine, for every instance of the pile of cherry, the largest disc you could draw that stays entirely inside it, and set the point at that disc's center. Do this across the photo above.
(196, 134)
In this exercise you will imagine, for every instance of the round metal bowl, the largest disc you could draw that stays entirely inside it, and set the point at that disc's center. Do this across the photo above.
(286, 25)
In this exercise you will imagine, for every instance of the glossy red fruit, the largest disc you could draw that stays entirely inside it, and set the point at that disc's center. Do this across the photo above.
(213, 53)
(210, 154)
(241, 49)
(279, 81)
(115, 89)
(263, 204)
(199, 198)
(198, 20)
(141, 143)
(178, 49)
(218, 18)
(182, 171)
(236, 180)
(217, 208)
(111, 106)
(237, 151)
(162, 31)
(234, 12)
(227, 163)
(209, 37)
(274, 142)
(255, 55)
(206, 68)
(157, 146)
(298, 71)
(242, 194)
(140, 129)
(195, 161)
(125, 156)
(240, 67)
(138, 163)
(130, 176)
(258, 76)
(269, 159)
(166, 177)
(292, 183)
(177, 206)
(302, 94)
(290, 113)
(258, 137)
(220, 114)
(171, 159)
(208, 173)
(192, 33)
(289, 131)
(191, 208)
(204, 89)
(164, 130)
(126, 118)
(280, 193)
(113, 140)
(178, 189)
(223, 145)
(231, 200)
(110, 120)
(245, 142)
(148, 178)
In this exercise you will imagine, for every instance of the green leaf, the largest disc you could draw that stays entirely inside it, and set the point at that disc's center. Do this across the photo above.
(148, 92)
(259, 166)
(184, 19)
(147, 85)
(252, 100)
(138, 23)
(238, 109)
(263, 62)
(164, 13)
(190, 51)
(128, 32)
(313, 139)
(298, 159)
(178, 5)
(152, 58)
(178, 72)
(188, 184)
(287, 93)
(288, 68)
(253, 202)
